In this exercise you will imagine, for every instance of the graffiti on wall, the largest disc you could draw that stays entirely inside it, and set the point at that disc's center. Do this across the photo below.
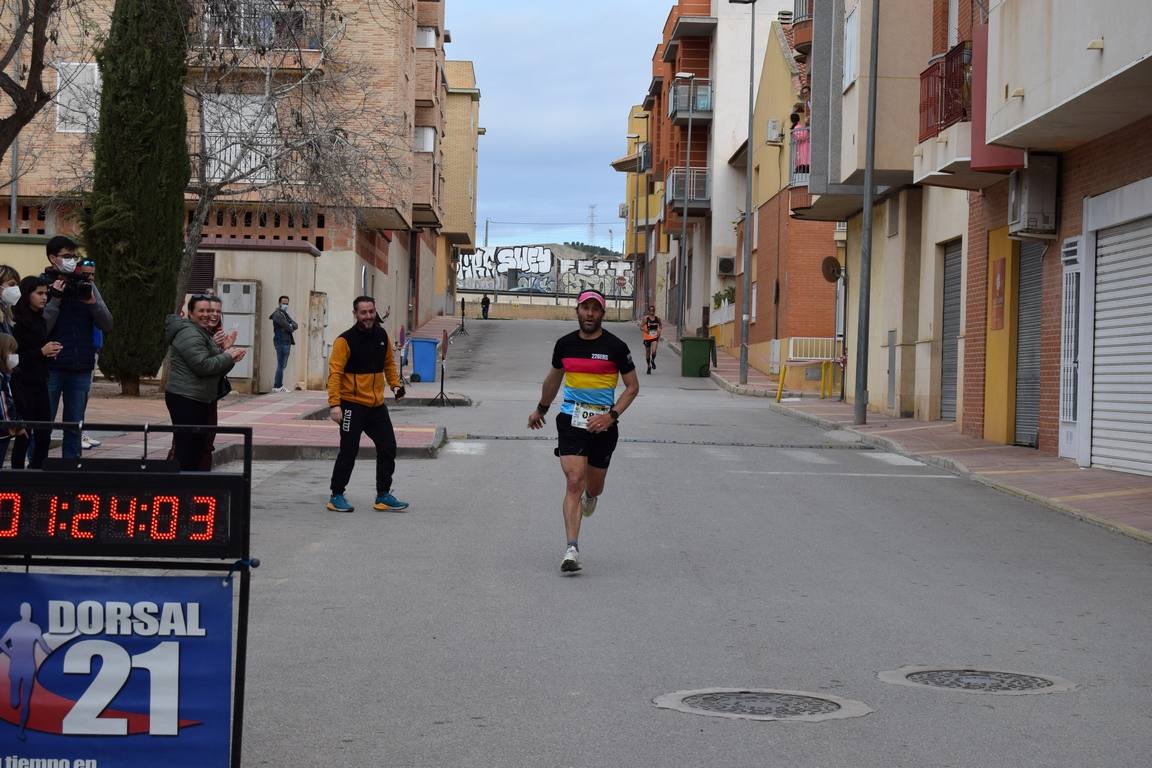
(535, 269)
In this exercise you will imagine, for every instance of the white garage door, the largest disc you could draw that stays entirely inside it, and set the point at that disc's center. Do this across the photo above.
(1122, 357)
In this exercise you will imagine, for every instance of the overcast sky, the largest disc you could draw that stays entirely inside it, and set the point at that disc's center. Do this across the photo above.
(556, 81)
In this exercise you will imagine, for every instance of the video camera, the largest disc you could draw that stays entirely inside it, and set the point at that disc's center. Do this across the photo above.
(76, 285)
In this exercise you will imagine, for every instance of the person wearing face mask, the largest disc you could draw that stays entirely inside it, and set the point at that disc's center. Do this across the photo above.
(74, 311)
(9, 295)
(283, 326)
(8, 361)
(30, 379)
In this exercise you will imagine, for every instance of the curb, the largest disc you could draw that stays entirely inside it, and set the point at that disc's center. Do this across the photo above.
(235, 451)
(951, 465)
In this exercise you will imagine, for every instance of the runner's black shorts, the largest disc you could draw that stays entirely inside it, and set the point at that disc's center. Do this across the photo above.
(597, 446)
(649, 342)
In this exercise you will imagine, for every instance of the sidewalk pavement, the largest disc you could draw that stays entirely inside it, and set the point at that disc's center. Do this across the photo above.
(1116, 500)
(285, 425)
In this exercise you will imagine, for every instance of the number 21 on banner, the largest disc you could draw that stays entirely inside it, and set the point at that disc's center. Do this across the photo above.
(163, 665)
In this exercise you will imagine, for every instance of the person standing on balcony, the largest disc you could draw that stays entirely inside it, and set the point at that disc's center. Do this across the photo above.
(283, 326)
(800, 141)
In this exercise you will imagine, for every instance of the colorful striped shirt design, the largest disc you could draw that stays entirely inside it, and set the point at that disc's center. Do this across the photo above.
(592, 368)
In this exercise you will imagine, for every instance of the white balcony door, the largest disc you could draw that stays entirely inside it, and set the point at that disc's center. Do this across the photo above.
(240, 138)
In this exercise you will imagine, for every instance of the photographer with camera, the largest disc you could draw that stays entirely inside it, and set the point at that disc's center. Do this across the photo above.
(75, 309)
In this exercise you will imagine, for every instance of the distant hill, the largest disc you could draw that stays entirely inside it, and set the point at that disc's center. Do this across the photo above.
(595, 250)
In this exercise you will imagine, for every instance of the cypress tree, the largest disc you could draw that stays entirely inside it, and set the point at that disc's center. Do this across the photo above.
(134, 223)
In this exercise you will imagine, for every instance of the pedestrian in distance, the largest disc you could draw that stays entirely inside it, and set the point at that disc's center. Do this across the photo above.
(283, 326)
(75, 308)
(485, 303)
(30, 379)
(650, 327)
(360, 365)
(197, 369)
(589, 362)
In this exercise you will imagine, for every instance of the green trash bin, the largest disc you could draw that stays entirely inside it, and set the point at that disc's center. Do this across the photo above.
(695, 352)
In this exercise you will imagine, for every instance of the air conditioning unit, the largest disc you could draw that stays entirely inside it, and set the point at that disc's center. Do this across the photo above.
(775, 132)
(726, 266)
(1032, 198)
(623, 210)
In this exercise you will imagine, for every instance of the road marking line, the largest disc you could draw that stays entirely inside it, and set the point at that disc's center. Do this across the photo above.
(465, 449)
(894, 459)
(837, 474)
(808, 457)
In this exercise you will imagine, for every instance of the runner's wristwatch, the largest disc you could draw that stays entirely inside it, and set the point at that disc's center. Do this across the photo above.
(614, 414)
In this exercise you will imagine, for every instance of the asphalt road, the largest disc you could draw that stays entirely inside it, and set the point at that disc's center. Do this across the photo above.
(733, 547)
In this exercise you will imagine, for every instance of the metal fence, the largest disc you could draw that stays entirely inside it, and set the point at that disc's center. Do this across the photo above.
(259, 24)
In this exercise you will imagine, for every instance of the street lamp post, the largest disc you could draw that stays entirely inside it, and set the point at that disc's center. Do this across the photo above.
(860, 407)
(746, 282)
(682, 266)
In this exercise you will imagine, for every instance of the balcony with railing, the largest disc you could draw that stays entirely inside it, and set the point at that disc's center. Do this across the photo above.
(693, 99)
(943, 156)
(946, 92)
(283, 32)
(800, 154)
(253, 159)
(696, 183)
(802, 26)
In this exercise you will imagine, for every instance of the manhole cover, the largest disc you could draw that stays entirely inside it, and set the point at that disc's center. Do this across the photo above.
(761, 704)
(969, 680)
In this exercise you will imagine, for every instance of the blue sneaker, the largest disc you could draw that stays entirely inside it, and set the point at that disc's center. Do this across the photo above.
(339, 504)
(386, 502)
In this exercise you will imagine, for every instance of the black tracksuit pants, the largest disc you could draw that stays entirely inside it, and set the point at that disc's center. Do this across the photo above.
(377, 424)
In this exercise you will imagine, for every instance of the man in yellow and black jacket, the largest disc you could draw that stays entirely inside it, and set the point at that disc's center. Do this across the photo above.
(359, 366)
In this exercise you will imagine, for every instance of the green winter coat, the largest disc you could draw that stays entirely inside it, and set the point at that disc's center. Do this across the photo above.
(196, 363)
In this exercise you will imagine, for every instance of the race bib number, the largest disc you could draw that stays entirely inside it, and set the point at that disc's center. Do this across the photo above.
(582, 412)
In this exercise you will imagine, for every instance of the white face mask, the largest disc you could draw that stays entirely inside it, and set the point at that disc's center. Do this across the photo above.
(10, 295)
(13, 361)
(283, 307)
(67, 266)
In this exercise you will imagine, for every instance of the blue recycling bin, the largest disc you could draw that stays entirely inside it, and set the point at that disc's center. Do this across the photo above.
(424, 358)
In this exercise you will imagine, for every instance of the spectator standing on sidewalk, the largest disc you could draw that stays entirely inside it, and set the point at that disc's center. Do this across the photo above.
(360, 364)
(197, 366)
(283, 326)
(73, 312)
(30, 379)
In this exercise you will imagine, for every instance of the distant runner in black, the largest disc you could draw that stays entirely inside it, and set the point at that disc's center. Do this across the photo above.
(650, 326)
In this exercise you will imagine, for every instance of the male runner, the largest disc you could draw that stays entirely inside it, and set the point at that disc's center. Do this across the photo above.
(588, 362)
(650, 326)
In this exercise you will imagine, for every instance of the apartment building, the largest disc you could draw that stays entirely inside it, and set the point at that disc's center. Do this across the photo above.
(917, 244)
(793, 309)
(462, 134)
(637, 212)
(374, 108)
(1073, 103)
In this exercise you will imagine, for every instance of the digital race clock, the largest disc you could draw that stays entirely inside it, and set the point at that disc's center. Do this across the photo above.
(122, 514)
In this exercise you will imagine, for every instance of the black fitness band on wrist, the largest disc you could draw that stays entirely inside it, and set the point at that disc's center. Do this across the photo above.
(543, 409)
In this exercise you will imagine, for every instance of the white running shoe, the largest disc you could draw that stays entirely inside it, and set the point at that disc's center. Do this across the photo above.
(87, 441)
(587, 504)
(278, 389)
(571, 561)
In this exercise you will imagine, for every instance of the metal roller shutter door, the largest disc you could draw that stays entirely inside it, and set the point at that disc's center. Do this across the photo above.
(1028, 343)
(1122, 352)
(950, 332)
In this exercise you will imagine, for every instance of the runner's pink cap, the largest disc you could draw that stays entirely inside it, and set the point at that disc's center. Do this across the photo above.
(591, 294)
